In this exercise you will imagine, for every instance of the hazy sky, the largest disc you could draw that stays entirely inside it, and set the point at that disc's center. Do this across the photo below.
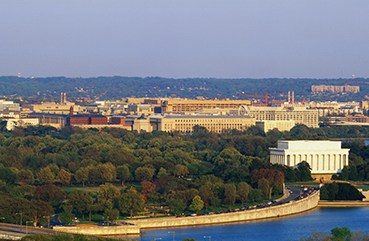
(185, 38)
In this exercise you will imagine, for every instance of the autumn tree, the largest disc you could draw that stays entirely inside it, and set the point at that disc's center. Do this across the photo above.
(26, 176)
(45, 175)
(82, 175)
(50, 193)
(147, 188)
(64, 176)
(180, 170)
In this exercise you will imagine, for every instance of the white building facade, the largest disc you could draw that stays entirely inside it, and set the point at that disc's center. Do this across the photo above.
(324, 157)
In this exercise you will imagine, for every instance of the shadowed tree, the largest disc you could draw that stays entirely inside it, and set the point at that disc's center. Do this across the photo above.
(131, 202)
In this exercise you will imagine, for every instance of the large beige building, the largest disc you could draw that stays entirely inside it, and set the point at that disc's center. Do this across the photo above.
(55, 108)
(21, 122)
(324, 157)
(301, 115)
(193, 105)
(335, 88)
(281, 125)
(185, 123)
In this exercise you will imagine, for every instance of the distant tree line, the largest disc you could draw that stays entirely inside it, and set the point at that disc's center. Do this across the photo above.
(338, 234)
(103, 88)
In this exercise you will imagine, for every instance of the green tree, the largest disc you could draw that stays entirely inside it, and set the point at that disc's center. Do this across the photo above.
(124, 174)
(265, 187)
(162, 172)
(8, 175)
(207, 194)
(26, 176)
(197, 204)
(144, 173)
(66, 216)
(82, 175)
(243, 192)
(111, 214)
(176, 205)
(81, 202)
(230, 194)
(131, 202)
(256, 195)
(344, 174)
(353, 174)
(341, 234)
(103, 173)
(304, 172)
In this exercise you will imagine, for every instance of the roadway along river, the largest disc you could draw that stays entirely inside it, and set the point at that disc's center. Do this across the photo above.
(288, 228)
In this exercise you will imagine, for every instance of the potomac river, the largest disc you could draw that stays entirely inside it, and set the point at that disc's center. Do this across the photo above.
(288, 228)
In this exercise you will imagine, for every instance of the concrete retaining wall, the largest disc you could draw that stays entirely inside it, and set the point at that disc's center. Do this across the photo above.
(264, 213)
(343, 204)
(100, 230)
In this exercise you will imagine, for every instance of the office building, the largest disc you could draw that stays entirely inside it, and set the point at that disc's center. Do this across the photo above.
(281, 125)
(301, 115)
(186, 123)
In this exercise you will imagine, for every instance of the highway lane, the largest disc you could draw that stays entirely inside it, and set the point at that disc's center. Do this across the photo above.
(22, 229)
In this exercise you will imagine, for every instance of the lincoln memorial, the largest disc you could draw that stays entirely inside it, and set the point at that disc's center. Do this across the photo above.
(324, 157)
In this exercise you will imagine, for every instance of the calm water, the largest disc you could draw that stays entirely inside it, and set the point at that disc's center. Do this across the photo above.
(289, 228)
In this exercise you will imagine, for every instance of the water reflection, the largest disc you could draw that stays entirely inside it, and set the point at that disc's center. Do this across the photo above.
(288, 228)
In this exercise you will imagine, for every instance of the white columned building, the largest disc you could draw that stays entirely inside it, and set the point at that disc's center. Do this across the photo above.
(324, 157)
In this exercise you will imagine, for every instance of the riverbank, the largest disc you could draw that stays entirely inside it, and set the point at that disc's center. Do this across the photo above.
(343, 204)
(282, 210)
(286, 209)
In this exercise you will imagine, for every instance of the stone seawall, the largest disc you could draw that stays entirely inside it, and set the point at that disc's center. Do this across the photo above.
(248, 215)
(100, 230)
(343, 204)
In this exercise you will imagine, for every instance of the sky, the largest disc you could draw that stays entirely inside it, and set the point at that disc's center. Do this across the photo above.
(185, 38)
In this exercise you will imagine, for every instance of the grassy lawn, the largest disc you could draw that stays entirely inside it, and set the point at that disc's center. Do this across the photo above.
(298, 184)
(84, 189)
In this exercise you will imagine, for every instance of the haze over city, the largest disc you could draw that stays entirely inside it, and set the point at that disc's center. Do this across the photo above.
(209, 38)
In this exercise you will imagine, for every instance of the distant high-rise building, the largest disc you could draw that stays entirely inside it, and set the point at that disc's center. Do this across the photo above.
(315, 89)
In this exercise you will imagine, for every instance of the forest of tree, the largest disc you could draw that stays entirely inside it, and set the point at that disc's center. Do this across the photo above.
(113, 173)
(115, 87)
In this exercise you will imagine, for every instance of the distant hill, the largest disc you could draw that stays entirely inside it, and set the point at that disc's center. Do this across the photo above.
(117, 87)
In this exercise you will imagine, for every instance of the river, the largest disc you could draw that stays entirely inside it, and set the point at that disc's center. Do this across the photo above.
(289, 228)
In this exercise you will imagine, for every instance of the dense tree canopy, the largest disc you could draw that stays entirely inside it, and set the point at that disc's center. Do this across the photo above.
(133, 171)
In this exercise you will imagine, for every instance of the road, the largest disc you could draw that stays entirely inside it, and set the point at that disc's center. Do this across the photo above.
(13, 230)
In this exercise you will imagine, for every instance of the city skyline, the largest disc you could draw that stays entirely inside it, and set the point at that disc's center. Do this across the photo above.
(239, 39)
